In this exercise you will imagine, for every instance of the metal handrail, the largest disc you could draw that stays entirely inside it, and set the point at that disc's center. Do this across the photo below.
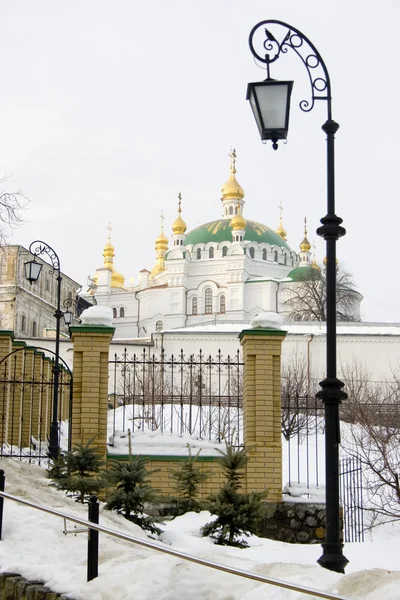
(176, 553)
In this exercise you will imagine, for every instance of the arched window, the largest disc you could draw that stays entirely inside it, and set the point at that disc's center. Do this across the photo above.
(222, 304)
(194, 305)
(198, 254)
(251, 252)
(231, 210)
(284, 259)
(264, 254)
(224, 250)
(159, 326)
(23, 323)
(34, 329)
(208, 307)
(276, 256)
(211, 253)
(114, 313)
(122, 311)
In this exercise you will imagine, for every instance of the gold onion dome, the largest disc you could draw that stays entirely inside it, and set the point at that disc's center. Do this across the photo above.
(162, 241)
(179, 226)
(305, 245)
(232, 190)
(117, 279)
(238, 222)
(281, 231)
(326, 260)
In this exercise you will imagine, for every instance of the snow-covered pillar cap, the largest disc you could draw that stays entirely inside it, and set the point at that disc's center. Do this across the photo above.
(97, 316)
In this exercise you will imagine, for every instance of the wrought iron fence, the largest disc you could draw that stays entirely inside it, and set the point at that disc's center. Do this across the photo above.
(26, 400)
(197, 395)
(351, 498)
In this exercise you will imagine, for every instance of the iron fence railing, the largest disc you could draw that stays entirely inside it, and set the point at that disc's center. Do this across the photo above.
(197, 395)
(26, 401)
(94, 529)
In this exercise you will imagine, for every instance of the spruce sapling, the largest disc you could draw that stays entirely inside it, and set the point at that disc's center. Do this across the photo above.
(131, 489)
(188, 478)
(237, 514)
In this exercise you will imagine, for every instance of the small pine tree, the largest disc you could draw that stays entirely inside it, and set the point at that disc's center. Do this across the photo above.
(76, 472)
(188, 478)
(237, 514)
(131, 490)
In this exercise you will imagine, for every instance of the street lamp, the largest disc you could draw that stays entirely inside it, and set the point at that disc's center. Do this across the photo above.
(68, 314)
(32, 271)
(259, 95)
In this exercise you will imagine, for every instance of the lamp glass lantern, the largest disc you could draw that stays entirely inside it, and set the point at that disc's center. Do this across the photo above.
(68, 317)
(270, 103)
(32, 270)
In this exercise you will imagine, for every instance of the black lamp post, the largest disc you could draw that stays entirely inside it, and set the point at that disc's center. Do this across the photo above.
(273, 123)
(32, 272)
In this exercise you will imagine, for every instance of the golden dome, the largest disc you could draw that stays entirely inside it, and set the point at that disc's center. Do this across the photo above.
(305, 245)
(117, 280)
(326, 260)
(179, 225)
(238, 222)
(161, 250)
(232, 190)
(281, 230)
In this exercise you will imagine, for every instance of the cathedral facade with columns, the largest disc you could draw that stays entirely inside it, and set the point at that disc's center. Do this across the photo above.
(225, 271)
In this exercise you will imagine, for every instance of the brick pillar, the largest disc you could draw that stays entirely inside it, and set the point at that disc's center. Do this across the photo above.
(38, 394)
(262, 409)
(27, 397)
(16, 393)
(90, 384)
(6, 340)
(47, 400)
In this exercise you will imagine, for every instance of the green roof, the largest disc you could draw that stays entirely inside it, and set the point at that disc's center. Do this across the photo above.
(220, 231)
(304, 274)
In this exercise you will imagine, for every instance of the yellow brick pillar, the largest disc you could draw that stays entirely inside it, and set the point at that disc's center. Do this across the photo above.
(262, 409)
(47, 400)
(38, 393)
(90, 384)
(27, 398)
(6, 340)
(16, 393)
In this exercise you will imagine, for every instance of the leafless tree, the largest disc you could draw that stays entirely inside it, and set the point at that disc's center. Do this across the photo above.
(373, 434)
(11, 207)
(297, 396)
(307, 296)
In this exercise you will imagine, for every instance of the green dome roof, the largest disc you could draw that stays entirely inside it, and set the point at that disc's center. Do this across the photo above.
(305, 274)
(220, 231)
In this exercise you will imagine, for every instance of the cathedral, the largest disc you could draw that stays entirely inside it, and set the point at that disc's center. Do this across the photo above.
(225, 271)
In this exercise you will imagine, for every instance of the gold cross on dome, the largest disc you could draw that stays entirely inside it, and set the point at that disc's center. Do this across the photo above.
(232, 155)
(109, 230)
(179, 202)
(280, 209)
(162, 219)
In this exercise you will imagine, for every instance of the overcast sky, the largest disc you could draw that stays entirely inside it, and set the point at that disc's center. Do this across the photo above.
(108, 109)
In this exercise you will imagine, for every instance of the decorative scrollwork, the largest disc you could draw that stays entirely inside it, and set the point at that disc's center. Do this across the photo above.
(37, 248)
(269, 49)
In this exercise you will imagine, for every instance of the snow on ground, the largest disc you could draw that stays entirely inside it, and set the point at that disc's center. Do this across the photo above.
(33, 545)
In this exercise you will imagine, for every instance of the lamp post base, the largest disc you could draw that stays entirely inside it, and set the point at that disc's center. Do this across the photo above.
(333, 558)
(54, 448)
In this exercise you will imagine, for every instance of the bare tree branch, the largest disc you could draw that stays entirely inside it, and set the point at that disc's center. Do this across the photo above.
(307, 300)
(12, 205)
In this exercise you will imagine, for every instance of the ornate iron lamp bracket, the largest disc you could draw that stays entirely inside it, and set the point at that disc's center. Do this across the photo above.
(269, 50)
(37, 248)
